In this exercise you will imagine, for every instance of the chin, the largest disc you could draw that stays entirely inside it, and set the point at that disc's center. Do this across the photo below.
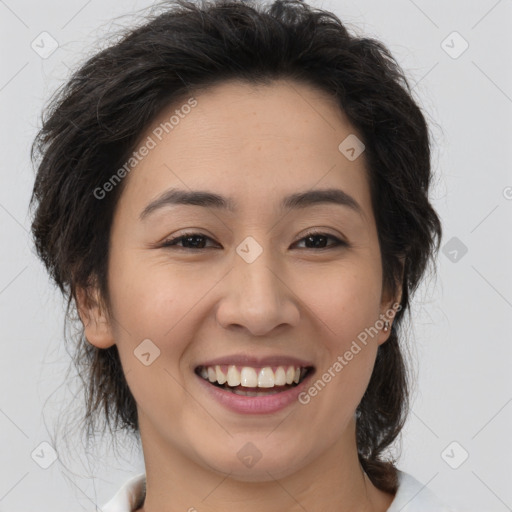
(253, 465)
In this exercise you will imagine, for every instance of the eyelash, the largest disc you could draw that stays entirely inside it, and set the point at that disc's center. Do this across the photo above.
(173, 241)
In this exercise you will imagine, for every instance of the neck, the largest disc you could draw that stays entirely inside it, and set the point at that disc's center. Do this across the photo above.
(333, 481)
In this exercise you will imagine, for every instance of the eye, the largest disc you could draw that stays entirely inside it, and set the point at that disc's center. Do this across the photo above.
(189, 240)
(317, 240)
(197, 241)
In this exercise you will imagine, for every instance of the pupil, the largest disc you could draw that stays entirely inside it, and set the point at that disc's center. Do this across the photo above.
(193, 241)
(316, 244)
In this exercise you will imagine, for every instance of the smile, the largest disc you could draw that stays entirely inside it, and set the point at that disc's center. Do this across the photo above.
(256, 380)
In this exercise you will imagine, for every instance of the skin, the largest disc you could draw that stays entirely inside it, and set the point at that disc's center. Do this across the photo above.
(255, 144)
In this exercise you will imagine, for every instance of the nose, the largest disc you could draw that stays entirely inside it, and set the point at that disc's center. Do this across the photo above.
(257, 297)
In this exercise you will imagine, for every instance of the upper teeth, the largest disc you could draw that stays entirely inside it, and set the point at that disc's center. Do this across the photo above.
(250, 377)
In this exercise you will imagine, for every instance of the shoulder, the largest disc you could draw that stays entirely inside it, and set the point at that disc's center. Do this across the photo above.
(128, 497)
(413, 496)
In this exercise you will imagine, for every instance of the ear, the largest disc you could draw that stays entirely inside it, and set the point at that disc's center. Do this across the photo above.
(390, 304)
(93, 314)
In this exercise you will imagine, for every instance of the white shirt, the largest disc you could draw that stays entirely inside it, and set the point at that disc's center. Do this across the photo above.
(411, 496)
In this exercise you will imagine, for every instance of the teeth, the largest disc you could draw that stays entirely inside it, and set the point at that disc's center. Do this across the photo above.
(253, 377)
(221, 378)
(290, 374)
(266, 378)
(233, 376)
(248, 377)
(280, 377)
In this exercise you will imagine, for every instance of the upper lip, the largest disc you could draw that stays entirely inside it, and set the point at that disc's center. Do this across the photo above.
(246, 360)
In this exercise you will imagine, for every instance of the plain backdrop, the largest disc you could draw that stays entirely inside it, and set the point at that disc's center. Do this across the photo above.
(457, 439)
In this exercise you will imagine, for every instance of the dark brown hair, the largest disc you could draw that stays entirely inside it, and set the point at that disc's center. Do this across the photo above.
(94, 121)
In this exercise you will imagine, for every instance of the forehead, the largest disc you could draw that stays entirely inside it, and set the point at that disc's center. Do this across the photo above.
(255, 142)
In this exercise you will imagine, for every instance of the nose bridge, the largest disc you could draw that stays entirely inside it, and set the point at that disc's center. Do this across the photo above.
(256, 278)
(256, 296)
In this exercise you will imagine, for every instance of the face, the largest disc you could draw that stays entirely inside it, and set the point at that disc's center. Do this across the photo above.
(259, 282)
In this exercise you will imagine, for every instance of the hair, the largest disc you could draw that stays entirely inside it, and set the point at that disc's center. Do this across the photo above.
(92, 124)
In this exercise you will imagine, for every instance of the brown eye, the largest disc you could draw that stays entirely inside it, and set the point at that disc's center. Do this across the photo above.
(197, 241)
(191, 241)
(315, 240)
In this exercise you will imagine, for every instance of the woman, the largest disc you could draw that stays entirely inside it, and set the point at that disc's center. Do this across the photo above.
(235, 199)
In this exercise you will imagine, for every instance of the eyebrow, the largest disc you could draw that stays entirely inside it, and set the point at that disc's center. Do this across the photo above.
(207, 199)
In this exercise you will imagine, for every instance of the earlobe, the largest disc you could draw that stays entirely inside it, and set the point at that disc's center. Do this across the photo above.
(389, 308)
(390, 305)
(97, 326)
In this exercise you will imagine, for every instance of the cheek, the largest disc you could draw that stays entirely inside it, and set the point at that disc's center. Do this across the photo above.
(346, 298)
(161, 303)
(346, 303)
(152, 297)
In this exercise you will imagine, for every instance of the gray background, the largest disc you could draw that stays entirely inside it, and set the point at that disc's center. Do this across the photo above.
(460, 342)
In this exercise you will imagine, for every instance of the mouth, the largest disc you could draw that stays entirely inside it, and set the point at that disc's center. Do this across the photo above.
(254, 381)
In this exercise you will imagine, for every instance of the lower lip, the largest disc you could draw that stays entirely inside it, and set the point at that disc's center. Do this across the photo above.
(255, 404)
